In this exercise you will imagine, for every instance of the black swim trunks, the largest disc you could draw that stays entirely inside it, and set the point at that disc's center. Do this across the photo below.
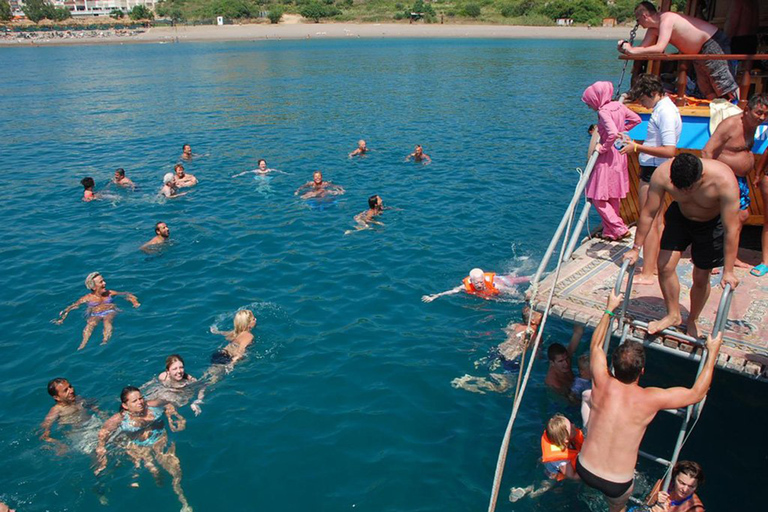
(221, 357)
(646, 171)
(705, 238)
(610, 489)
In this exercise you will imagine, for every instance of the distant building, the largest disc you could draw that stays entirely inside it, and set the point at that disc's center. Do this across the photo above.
(609, 22)
(564, 22)
(90, 7)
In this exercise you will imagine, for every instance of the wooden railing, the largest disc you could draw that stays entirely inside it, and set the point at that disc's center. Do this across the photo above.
(682, 70)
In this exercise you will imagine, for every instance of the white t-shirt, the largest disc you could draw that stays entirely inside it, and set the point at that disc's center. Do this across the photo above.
(664, 129)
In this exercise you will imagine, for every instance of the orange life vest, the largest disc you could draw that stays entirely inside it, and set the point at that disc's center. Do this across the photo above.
(490, 288)
(553, 453)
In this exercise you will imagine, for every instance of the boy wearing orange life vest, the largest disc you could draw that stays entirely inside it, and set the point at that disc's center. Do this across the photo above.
(560, 444)
(482, 284)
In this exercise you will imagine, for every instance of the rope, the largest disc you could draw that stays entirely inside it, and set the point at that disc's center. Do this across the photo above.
(632, 35)
(520, 390)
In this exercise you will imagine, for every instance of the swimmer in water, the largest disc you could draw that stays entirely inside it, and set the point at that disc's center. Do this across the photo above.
(223, 360)
(6, 508)
(419, 156)
(141, 422)
(69, 410)
(361, 149)
(170, 189)
(186, 152)
(485, 285)
(162, 233)
(175, 383)
(121, 180)
(182, 178)
(88, 184)
(368, 217)
(100, 307)
(318, 187)
(262, 170)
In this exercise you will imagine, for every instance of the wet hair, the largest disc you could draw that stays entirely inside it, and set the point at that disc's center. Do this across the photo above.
(172, 359)
(261, 160)
(557, 431)
(127, 390)
(648, 6)
(590, 128)
(90, 280)
(52, 385)
(177, 166)
(685, 171)
(372, 201)
(690, 468)
(157, 226)
(556, 349)
(242, 320)
(120, 171)
(628, 361)
(646, 84)
(87, 183)
(185, 145)
(758, 100)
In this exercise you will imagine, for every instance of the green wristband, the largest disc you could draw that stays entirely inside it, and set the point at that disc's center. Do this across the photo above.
(609, 312)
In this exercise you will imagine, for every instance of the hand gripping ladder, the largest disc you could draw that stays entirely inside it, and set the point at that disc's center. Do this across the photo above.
(689, 415)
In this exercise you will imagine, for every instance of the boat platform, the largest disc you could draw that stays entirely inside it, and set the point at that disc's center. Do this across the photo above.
(588, 276)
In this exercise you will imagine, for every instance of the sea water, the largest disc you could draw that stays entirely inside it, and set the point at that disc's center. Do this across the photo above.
(345, 401)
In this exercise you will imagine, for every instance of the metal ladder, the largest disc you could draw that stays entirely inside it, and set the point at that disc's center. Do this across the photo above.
(688, 415)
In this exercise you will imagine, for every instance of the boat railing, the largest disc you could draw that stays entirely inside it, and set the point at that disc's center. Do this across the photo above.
(685, 59)
(690, 414)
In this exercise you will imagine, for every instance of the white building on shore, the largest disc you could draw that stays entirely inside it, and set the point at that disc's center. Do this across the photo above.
(90, 7)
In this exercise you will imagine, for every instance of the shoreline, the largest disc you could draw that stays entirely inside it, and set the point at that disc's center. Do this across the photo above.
(295, 31)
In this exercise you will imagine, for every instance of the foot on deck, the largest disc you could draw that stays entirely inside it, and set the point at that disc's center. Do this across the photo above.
(659, 325)
(692, 330)
(741, 264)
(645, 279)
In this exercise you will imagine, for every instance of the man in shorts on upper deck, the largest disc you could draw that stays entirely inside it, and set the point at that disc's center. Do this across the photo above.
(703, 215)
(691, 36)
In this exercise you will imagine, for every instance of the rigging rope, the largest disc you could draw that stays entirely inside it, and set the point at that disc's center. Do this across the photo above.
(632, 35)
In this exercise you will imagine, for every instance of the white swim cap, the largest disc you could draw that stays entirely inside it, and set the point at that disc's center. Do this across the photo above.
(476, 274)
(168, 177)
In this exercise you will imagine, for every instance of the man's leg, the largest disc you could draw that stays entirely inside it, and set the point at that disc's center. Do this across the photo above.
(764, 193)
(620, 504)
(651, 245)
(700, 290)
(670, 289)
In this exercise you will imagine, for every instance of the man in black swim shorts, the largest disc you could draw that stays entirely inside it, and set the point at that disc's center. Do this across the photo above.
(704, 216)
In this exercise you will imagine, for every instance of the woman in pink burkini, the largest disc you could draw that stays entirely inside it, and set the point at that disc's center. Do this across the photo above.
(609, 182)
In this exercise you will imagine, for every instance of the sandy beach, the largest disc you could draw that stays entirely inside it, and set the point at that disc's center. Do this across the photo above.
(296, 30)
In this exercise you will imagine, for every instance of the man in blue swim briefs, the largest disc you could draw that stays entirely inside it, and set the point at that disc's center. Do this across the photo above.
(732, 144)
(608, 457)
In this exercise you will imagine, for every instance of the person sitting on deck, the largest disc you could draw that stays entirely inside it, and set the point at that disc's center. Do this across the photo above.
(687, 476)
(608, 457)
(560, 376)
(664, 129)
(732, 144)
(609, 182)
(706, 204)
(485, 285)
(691, 36)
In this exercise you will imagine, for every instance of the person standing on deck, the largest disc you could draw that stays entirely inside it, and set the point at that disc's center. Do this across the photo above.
(705, 212)
(732, 144)
(608, 457)
(609, 182)
(664, 128)
(691, 36)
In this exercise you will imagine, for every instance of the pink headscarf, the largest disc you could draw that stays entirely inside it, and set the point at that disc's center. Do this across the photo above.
(598, 94)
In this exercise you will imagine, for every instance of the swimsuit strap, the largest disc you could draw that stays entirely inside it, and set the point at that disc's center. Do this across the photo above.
(674, 503)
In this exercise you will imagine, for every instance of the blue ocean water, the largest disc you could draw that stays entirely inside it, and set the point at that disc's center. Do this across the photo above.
(345, 401)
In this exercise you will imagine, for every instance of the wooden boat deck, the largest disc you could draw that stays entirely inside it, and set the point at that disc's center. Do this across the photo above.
(586, 279)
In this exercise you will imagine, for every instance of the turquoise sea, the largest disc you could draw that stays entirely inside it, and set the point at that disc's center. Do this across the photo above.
(345, 400)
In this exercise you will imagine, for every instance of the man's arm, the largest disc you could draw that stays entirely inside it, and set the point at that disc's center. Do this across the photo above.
(662, 40)
(598, 361)
(430, 298)
(578, 332)
(717, 141)
(729, 213)
(647, 214)
(47, 423)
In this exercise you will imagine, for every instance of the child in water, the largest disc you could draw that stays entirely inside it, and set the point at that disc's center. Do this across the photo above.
(88, 185)
(609, 182)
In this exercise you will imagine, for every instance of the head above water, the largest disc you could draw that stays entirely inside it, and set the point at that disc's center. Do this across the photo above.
(361, 144)
(120, 173)
(61, 390)
(161, 229)
(687, 477)
(186, 149)
(87, 183)
(647, 90)
(174, 365)
(92, 280)
(131, 399)
(418, 150)
(169, 178)
(262, 163)
(628, 361)
(244, 321)
(179, 170)
(685, 171)
(374, 202)
(557, 355)
(476, 277)
(559, 431)
(317, 177)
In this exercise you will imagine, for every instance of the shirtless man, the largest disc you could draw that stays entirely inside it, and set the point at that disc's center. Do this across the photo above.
(368, 217)
(419, 155)
(485, 285)
(162, 233)
(608, 457)
(186, 152)
(69, 409)
(121, 180)
(318, 187)
(361, 149)
(706, 203)
(183, 179)
(732, 144)
(691, 36)
(560, 373)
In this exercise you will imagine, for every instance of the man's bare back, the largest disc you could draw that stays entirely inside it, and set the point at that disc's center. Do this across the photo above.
(732, 144)
(702, 202)
(684, 32)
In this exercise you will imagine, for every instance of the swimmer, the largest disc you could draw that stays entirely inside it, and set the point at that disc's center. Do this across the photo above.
(6, 508)
(519, 335)
(223, 360)
(485, 285)
(175, 384)
(69, 410)
(419, 155)
(368, 217)
(687, 476)
(261, 170)
(186, 152)
(141, 422)
(162, 233)
(88, 185)
(560, 377)
(121, 180)
(318, 187)
(361, 149)
(170, 189)
(100, 307)
(183, 179)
